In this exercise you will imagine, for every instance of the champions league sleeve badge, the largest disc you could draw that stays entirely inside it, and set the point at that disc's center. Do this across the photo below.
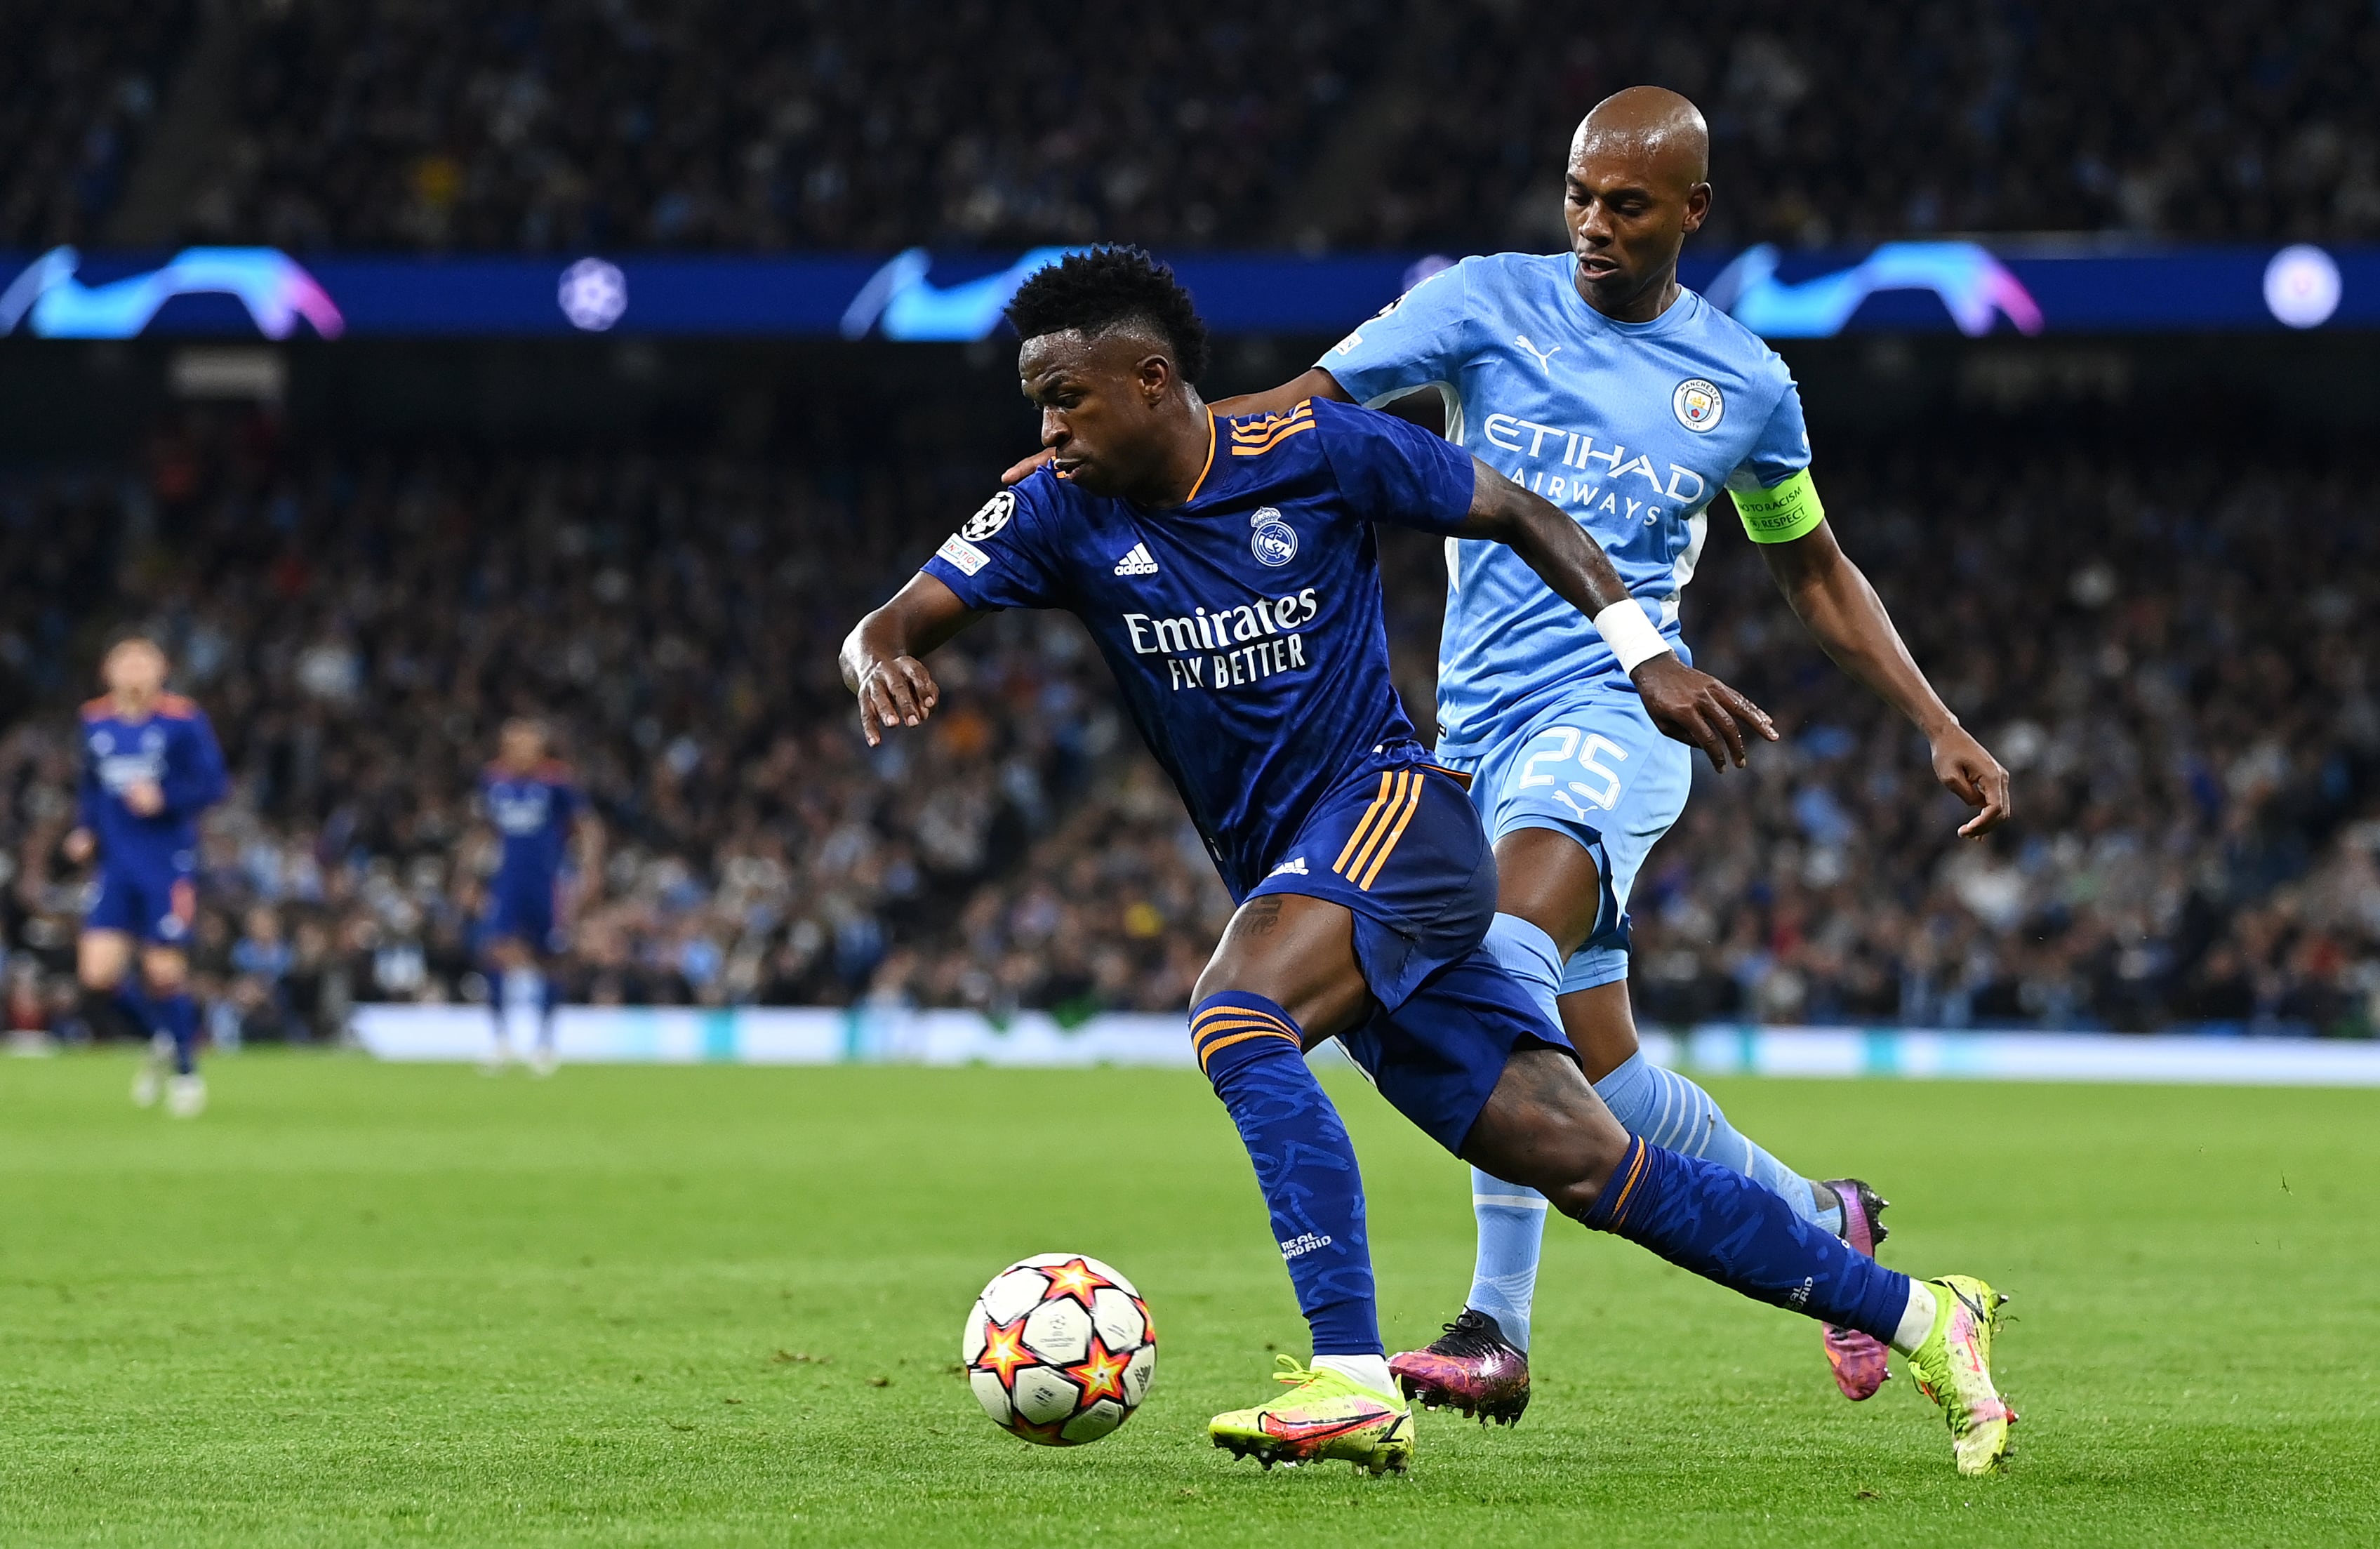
(1698, 404)
(1274, 541)
(991, 517)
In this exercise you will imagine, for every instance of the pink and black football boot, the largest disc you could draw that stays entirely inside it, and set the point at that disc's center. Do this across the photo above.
(1471, 1367)
(1862, 1362)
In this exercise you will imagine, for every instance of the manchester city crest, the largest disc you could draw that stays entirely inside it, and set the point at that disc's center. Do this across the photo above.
(1274, 541)
(1698, 404)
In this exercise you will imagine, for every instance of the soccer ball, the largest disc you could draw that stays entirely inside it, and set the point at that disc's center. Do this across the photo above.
(1058, 1350)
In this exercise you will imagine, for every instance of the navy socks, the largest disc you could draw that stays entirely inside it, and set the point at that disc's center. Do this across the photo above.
(1252, 1051)
(1724, 1227)
(178, 1017)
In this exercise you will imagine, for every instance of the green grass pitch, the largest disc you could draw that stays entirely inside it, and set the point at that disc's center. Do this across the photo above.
(362, 1303)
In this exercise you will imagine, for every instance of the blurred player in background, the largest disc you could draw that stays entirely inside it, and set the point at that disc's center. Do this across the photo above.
(151, 765)
(1596, 380)
(529, 799)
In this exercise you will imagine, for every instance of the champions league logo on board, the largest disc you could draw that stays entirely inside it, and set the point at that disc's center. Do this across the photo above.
(1698, 404)
(1275, 541)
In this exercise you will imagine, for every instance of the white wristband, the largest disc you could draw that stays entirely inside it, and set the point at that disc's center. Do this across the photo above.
(1630, 634)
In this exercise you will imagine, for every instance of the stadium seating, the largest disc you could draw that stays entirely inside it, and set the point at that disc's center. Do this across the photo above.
(2183, 698)
(551, 125)
(80, 86)
(1848, 123)
(762, 128)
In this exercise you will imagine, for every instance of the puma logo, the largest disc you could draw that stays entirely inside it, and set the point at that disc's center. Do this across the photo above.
(1545, 357)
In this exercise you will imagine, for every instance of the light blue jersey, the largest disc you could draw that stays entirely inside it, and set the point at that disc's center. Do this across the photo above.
(1632, 427)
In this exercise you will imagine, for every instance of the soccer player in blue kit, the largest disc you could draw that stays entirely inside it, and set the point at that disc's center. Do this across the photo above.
(1599, 382)
(1227, 571)
(149, 766)
(536, 810)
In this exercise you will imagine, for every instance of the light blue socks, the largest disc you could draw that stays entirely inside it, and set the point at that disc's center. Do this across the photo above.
(1661, 1106)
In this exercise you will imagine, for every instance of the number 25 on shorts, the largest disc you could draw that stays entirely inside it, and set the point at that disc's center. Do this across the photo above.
(1557, 745)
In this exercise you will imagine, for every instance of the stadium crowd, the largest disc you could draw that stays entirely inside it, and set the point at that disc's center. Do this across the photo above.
(80, 86)
(1849, 123)
(2182, 696)
(558, 124)
(555, 125)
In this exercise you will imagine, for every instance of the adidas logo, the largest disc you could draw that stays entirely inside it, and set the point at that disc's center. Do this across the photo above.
(1293, 866)
(1138, 562)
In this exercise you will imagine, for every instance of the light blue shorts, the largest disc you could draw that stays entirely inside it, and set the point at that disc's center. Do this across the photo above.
(1592, 765)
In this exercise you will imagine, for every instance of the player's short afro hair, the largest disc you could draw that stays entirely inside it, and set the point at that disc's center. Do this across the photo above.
(1097, 290)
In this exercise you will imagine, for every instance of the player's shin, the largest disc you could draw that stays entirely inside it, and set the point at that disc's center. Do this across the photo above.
(1510, 1217)
(1724, 1227)
(178, 1015)
(1250, 1049)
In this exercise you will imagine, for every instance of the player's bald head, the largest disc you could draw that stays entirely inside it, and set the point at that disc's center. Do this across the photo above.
(1652, 126)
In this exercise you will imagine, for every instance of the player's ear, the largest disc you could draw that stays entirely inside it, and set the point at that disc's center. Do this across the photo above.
(1155, 379)
(1698, 203)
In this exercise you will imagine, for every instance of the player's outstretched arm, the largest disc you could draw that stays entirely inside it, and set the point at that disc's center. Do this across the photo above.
(1834, 600)
(881, 656)
(1691, 706)
(1315, 382)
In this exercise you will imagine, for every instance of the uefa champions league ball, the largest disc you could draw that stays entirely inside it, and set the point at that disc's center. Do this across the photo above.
(1058, 1350)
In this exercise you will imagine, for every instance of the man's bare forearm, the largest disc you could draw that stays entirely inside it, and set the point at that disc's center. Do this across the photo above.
(1843, 613)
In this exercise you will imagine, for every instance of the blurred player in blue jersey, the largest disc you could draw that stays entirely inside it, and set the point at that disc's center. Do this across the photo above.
(1592, 379)
(1227, 570)
(537, 812)
(149, 768)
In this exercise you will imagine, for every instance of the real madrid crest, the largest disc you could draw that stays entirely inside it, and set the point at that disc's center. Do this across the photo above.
(993, 516)
(1698, 404)
(1274, 541)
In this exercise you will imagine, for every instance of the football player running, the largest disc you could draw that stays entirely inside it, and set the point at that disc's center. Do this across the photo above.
(1594, 381)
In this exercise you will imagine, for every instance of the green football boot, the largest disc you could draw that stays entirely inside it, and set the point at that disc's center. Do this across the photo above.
(1323, 1415)
(1953, 1367)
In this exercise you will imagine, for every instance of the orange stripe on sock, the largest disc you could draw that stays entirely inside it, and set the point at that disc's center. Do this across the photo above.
(1635, 1170)
(1201, 1033)
(1413, 804)
(1221, 1044)
(1339, 866)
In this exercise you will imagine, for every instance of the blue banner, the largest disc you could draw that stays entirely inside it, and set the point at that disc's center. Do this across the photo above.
(1914, 288)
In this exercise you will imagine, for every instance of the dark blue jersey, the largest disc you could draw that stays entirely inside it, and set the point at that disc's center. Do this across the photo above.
(1244, 625)
(175, 747)
(532, 813)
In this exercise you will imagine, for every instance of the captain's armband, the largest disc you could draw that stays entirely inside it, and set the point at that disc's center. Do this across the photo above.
(1781, 514)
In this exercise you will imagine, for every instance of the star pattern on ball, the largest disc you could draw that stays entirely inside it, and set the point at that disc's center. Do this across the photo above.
(1003, 1349)
(1076, 1279)
(1100, 1374)
(1047, 1436)
(1148, 1323)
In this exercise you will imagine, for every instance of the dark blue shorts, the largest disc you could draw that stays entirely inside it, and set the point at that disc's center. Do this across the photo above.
(1403, 851)
(153, 904)
(524, 913)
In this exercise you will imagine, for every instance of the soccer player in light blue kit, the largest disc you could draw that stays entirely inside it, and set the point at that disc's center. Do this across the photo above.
(1226, 572)
(151, 767)
(1594, 381)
